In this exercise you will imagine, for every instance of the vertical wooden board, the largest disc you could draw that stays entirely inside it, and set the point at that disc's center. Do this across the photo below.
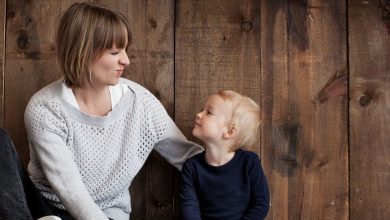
(30, 62)
(304, 141)
(217, 47)
(2, 59)
(151, 65)
(369, 55)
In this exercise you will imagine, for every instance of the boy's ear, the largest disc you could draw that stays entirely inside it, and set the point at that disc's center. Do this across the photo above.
(231, 132)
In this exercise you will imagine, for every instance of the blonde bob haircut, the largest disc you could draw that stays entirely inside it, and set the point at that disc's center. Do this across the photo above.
(245, 118)
(84, 32)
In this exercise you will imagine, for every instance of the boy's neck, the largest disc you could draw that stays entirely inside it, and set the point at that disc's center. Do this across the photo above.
(218, 155)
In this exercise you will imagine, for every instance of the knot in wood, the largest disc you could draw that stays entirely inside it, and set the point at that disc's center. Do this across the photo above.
(160, 205)
(386, 10)
(246, 26)
(11, 14)
(364, 100)
(153, 23)
(22, 41)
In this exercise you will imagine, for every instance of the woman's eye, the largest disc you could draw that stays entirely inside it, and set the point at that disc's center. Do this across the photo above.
(209, 113)
(114, 53)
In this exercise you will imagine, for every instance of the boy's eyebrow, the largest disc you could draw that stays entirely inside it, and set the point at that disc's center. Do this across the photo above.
(210, 107)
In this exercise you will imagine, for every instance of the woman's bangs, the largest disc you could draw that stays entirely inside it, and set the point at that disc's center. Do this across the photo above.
(117, 36)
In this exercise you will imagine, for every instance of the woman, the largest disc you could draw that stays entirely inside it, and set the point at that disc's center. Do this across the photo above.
(91, 132)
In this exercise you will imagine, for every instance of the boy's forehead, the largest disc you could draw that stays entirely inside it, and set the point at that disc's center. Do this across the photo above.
(217, 102)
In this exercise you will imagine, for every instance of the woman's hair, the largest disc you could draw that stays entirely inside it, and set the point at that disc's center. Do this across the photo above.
(83, 33)
(245, 118)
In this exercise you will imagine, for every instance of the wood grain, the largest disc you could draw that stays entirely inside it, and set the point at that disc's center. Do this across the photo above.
(30, 60)
(217, 47)
(304, 143)
(280, 53)
(369, 53)
(2, 59)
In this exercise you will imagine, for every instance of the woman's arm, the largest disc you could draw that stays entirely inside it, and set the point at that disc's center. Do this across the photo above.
(47, 140)
(62, 174)
(174, 146)
(259, 201)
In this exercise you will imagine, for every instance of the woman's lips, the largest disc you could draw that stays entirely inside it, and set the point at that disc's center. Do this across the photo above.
(119, 72)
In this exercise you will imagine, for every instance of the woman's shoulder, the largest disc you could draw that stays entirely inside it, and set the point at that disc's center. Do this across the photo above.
(142, 94)
(47, 93)
(135, 87)
(43, 99)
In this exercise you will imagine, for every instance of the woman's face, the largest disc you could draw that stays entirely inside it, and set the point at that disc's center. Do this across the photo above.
(107, 69)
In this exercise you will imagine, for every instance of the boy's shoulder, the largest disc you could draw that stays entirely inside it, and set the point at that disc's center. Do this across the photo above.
(247, 153)
(248, 156)
(195, 159)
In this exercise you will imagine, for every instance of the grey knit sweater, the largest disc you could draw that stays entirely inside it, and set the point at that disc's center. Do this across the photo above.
(84, 163)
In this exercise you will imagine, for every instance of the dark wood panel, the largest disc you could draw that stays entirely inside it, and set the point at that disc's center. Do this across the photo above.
(369, 52)
(304, 138)
(2, 59)
(217, 47)
(151, 65)
(283, 54)
(30, 60)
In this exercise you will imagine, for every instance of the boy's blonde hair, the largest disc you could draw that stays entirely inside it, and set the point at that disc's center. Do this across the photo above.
(245, 118)
(84, 32)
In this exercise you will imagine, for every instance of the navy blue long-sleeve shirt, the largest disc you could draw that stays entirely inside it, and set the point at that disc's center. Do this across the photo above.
(235, 190)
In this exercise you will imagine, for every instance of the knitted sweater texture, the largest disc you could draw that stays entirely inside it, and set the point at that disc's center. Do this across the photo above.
(84, 163)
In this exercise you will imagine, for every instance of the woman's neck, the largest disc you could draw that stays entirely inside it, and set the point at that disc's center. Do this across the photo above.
(93, 100)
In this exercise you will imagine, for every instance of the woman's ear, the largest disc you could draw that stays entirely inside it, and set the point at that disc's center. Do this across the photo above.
(231, 132)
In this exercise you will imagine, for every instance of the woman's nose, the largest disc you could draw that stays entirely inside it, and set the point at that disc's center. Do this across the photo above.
(124, 59)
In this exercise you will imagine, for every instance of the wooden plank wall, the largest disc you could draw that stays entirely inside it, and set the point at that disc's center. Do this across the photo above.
(2, 57)
(326, 154)
(304, 140)
(369, 61)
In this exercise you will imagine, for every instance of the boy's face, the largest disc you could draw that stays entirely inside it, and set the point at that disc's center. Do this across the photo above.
(211, 122)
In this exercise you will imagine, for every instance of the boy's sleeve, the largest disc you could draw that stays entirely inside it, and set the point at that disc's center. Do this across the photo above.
(189, 201)
(259, 202)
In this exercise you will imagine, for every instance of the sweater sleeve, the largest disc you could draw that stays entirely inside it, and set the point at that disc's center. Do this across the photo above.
(190, 209)
(259, 201)
(174, 147)
(49, 144)
(171, 143)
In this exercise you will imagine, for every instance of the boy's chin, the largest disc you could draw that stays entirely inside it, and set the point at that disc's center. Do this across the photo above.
(195, 134)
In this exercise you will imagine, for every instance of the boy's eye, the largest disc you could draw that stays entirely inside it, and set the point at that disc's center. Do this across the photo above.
(114, 53)
(209, 113)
